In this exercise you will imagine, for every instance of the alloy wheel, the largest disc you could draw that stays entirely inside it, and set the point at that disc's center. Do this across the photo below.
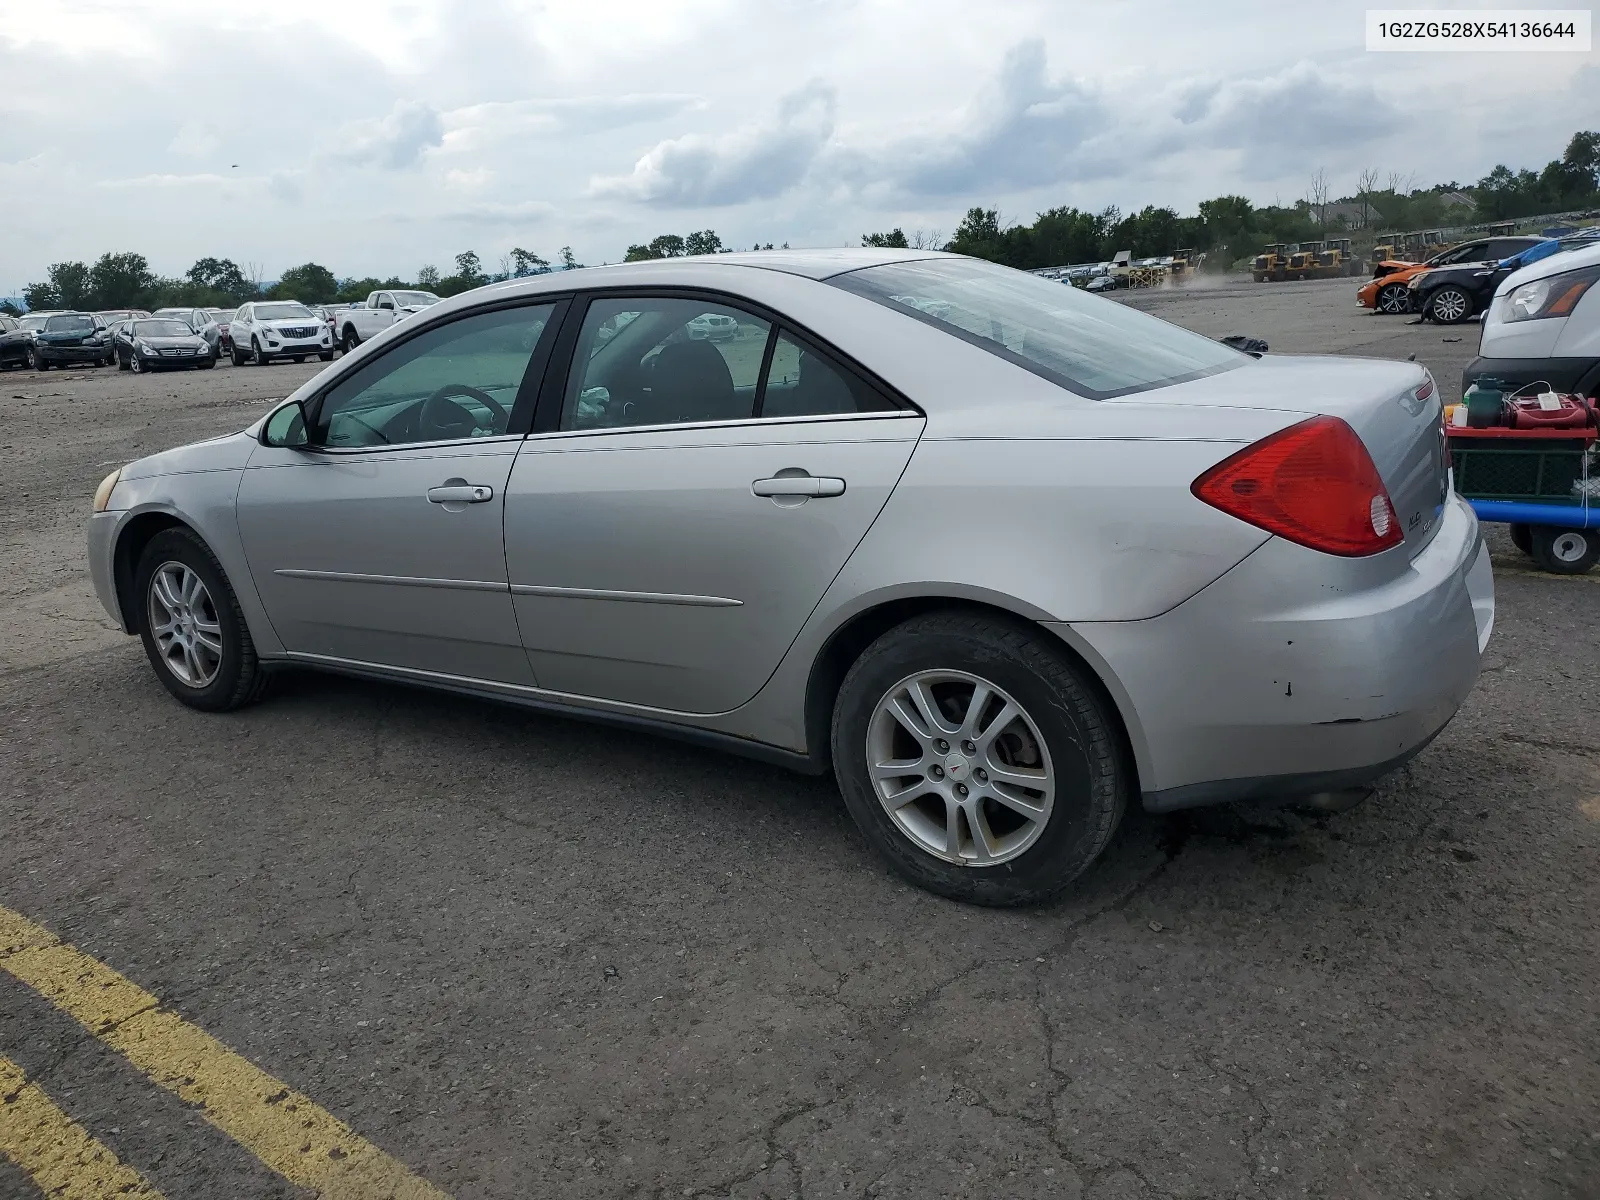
(960, 767)
(1393, 300)
(1450, 306)
(185, 625)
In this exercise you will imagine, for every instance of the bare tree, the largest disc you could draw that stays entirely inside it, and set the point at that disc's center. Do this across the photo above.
(1401, 185)
(932, 239)
(1317, 196)
(1365, 183)
(507, 267)
(253, 272)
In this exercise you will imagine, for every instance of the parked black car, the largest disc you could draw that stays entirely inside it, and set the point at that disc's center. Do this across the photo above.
(156, 343)
(13, 343)
(74, 337)
(1450, 295)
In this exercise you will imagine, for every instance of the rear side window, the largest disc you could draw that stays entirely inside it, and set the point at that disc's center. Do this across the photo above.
(1089, 345)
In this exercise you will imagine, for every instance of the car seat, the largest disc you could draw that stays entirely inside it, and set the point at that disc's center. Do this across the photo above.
(690, 382)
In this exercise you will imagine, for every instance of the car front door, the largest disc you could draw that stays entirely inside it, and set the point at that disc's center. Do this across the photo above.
(696, 491)
(380, 542)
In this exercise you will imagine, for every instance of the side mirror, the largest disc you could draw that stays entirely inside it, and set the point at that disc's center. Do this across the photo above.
(286, 428)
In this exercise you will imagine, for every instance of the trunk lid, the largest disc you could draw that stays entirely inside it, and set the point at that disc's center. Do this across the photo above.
(1377, 398)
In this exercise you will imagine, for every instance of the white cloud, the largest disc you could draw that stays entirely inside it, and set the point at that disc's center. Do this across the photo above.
(755, 162)
(395, 141)
(193, 140)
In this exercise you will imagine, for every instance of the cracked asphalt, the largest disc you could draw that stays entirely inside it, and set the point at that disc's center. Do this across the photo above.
(527, 956)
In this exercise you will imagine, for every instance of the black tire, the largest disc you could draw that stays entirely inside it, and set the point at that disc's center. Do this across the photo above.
(351, 341)
(1521, 538)
(328, 357)
(206, 365)
(239, 358)
(1448, 305)
(122, 363)
(299, 358)
(240, 678)
(257, 355)
(1565, 551)
(136, 362)
(39, 364)
(1079, 732)
(1393, 299)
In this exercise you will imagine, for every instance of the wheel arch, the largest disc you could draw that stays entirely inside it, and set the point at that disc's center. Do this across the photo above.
(845, 644)
(134, 536)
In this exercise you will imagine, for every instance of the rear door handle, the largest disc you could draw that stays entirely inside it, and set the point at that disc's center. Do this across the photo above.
(461, 493)
(798, 485)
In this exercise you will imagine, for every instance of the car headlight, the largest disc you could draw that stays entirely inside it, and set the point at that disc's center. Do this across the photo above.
(102, 494)
(1554, 296)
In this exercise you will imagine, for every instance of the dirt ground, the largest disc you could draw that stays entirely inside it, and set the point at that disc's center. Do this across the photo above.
(530, 957)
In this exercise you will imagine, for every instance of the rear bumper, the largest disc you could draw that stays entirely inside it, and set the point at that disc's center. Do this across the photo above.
(1291, 675)
(1570, 375)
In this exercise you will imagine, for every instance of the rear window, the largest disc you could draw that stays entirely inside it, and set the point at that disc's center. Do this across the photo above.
(1088, 345)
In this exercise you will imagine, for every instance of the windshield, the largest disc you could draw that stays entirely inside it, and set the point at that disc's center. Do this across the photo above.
(73, 323)
(169, 328)
(278, 312)
(418, 299)
(32, 322)
(1088, 345)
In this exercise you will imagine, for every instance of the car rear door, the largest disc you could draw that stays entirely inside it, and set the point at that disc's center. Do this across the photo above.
(685, 501)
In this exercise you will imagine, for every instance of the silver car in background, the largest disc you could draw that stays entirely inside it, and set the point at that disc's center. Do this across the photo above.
(1003, 556)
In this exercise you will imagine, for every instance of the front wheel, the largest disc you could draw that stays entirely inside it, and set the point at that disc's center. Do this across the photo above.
(1565, 551)
(1394, 299)
(191, 626)
(205, 364)
(1449, 306)
(137, 362)
(257, 355)
(978, 759)
(326, 356)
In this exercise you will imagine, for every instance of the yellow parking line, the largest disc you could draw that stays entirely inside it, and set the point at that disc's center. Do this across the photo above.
(54, 1151)
(305, 1144)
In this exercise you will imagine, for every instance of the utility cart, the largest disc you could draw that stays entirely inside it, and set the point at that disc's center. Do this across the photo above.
(1544, 483)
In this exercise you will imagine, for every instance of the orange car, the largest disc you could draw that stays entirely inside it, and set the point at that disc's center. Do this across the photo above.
(1386, 291)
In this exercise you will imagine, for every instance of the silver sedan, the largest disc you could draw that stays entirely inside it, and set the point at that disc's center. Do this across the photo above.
(1002, 556)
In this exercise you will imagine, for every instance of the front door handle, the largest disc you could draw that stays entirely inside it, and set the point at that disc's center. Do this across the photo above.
(798, 485)
(461, 493)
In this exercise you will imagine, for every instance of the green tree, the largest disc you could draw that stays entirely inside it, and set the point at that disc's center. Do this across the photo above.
(309, 283)
(353, 290)
(526, 262)
(121, 281)
(9, 309)
(223, 277)
(568, 261)
(704, 242)
(428, 278)
(895, 239)
(979, 235)
(667, 245)
(67, 287)
(469, 269)
(638, 253)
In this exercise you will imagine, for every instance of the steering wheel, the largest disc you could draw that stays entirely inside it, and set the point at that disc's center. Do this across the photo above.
(440, 417)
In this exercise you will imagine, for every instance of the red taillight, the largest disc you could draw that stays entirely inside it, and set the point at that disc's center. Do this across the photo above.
(1313, 483)
(1425, 389)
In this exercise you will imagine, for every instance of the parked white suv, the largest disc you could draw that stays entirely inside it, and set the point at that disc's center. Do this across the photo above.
(267, 329)
(1544, 326)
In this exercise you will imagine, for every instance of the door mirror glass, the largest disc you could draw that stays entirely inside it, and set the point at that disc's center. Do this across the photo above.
(286, 427)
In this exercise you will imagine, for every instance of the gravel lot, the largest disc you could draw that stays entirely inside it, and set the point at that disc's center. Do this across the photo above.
(532, 957)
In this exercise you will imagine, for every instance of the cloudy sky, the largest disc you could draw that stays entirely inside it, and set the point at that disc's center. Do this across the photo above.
(374, 136)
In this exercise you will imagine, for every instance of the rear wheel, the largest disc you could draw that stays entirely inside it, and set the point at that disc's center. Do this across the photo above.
(1449, 305)
(351, 341)
(238, 356)
(191, 626)
(1565, 551)
(1394, 299)
(978, 759)
(1520, 538)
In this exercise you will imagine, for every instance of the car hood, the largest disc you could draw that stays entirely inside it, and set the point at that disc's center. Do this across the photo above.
(228, 453)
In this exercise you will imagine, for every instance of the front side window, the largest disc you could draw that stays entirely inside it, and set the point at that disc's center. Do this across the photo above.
(1087, 344)
(457, 380)
(660, 361)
